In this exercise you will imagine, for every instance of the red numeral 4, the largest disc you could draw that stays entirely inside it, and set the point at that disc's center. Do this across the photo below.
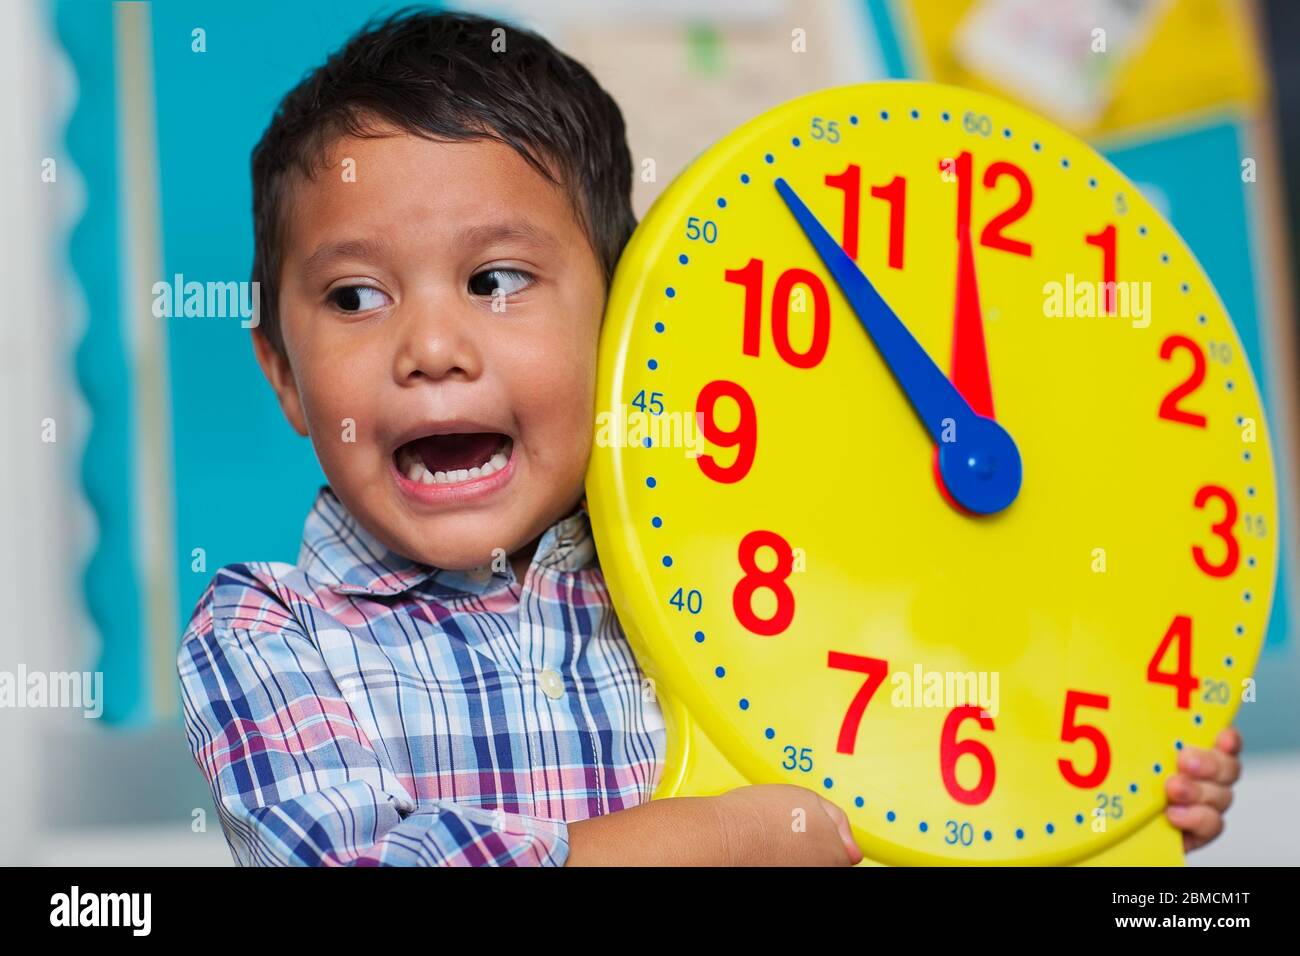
(1182, 679)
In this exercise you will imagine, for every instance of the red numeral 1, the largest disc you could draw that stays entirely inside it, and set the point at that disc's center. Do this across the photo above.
(895, 193)
(851, 182)
(751, 278)
(1105, 241)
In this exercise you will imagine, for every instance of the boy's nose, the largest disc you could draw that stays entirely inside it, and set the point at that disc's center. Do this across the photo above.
(435, 342)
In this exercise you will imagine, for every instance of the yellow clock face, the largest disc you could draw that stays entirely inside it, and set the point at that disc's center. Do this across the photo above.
(930, 474)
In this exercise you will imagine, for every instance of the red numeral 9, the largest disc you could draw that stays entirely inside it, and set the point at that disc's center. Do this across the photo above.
(744, 437)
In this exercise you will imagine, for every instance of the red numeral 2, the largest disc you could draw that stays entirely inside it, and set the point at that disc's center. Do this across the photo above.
(1169, 409)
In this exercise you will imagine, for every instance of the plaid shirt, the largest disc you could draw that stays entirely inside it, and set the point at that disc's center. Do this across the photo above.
(359, 708)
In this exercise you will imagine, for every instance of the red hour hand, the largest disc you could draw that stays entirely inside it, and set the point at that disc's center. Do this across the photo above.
(970, 360)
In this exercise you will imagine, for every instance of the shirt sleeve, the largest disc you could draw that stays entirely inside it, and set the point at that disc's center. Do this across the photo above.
(297, 782)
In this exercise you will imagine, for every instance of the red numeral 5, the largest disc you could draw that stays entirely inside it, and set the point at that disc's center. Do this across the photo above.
(1070, 731)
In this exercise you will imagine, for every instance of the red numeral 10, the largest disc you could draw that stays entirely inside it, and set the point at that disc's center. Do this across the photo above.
(751, 279)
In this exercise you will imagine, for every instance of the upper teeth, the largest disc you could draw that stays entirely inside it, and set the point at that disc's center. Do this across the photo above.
(414, 468)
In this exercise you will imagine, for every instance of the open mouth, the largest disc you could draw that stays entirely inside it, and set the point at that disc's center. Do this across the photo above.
(452, 459)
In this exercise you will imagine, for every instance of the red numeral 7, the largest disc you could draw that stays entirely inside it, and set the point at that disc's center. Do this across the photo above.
(876, 671)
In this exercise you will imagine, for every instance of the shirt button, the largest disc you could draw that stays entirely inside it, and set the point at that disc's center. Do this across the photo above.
(480, 574)
(552, 683)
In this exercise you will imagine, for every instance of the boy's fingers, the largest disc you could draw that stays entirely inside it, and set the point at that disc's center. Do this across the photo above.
(841, 821)
(1183, 790)
(1200, 824)
(850, 844)
(1213, 765)
(1229, 741)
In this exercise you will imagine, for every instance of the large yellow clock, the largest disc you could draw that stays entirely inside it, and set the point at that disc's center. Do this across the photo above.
(931, 475)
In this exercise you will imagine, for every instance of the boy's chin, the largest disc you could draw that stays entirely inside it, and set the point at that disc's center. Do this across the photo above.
(470, 547)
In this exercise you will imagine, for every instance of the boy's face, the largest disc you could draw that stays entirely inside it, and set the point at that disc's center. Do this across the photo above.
(449, 291)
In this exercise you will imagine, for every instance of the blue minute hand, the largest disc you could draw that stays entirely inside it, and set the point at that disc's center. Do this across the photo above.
(978, 460)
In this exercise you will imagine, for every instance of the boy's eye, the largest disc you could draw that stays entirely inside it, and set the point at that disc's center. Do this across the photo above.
(499, 282)
(357, 298)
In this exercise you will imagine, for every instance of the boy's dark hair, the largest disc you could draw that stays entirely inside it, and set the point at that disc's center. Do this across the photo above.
(438, 75)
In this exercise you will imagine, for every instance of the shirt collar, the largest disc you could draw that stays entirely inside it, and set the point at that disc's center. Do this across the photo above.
(338, 551)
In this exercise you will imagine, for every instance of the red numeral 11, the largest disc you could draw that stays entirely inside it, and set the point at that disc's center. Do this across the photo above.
(893, 192)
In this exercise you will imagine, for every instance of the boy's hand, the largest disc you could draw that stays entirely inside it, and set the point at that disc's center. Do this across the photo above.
(1201, 792)
(784, 825)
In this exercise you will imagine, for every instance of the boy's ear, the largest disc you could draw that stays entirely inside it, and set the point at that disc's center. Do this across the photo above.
(278, 372)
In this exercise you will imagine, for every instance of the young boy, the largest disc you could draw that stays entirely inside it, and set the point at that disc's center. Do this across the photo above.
(438, 211)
